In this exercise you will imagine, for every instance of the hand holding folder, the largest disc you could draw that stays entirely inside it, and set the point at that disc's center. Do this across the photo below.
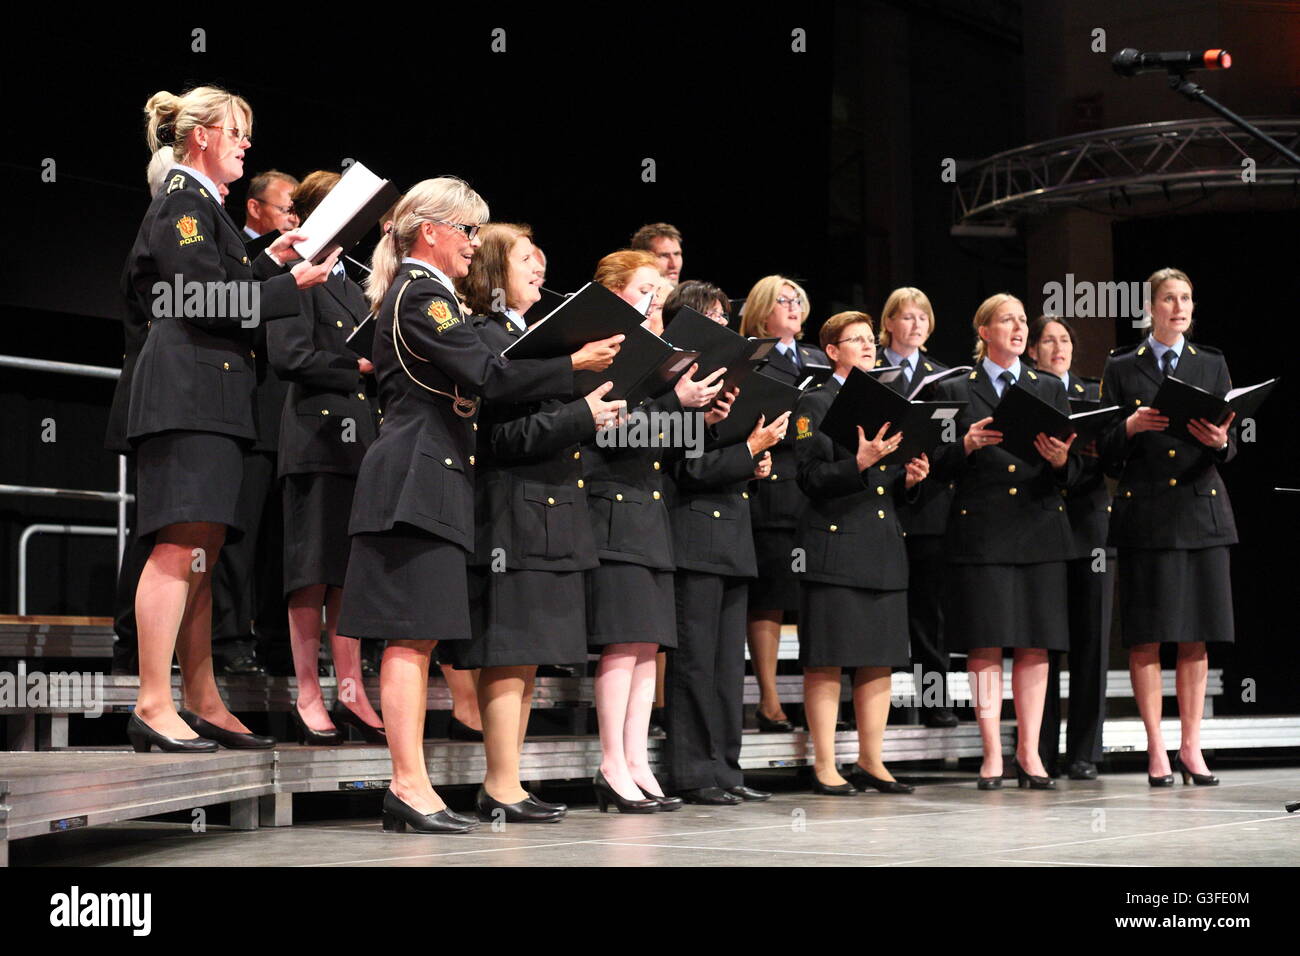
(870, 404)
(1181, 403)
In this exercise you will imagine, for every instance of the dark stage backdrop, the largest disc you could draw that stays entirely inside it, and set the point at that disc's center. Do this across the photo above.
(1246, 286)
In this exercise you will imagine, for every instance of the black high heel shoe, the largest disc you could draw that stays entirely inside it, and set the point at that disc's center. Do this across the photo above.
(525, 811)
(341, 715)
(861, 779)
(398, 816)
(836, 790)
(990, 783)
(605, 795)
(768, 726)
(1200, 779)
(458, 730)
(142, 737)
(666, 804)
(1166, 781)
(313, 738)
(1026, 779)
(230, 739)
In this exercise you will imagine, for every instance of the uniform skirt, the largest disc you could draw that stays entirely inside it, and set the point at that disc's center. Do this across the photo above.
(184, 476)
(630, 603)
(1175, 596)
(852, 627)
(1007, 605)
(405, 585)
(316, 543)
(777, 586)
(524, 617)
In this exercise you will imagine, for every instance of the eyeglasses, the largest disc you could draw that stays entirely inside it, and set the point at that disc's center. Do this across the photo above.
(716, 314)
(235, 133)
(283, 210)
(858, 340)
(469, 232)
(796, 300)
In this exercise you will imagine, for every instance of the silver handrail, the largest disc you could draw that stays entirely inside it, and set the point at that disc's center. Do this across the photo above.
(32, 529)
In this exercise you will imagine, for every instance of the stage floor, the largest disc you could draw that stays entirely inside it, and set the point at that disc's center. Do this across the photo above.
(1116, 820)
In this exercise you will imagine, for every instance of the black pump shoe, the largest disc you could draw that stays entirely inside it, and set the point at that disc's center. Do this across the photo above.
(861, 779)
(143, 737)
(525, 811)
(230, 739)
(711, 797)
(398, 816)
(342, 716)
(539, 802)
(990, 783)
(769, 726)
(838, 790)
(313, 738)
(605, 795)
(1026, 779)
(456, 730)
(1200, 779)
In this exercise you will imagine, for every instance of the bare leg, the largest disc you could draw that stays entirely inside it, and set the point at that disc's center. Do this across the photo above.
(346, 652)
(464, 696)
(871, 686)
(403, 693)
(1190, 678)
(1029, 692)
(614, 675)
(985, 667)
(194, 650)
(661, 662)
(821, 704)
(764, 633)
(526, 706)
(500, 691)
(1144, 669)
(636, 726)
(304, 642)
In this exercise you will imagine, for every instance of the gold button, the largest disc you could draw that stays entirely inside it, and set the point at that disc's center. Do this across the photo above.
(1108, 509)
(244, 259)
(1173, 482)
(580, 483)
(773, 478)
(1213, 492)
(745, 495)
(1011, 468)
(475, 425)
(1137, 401)
(904, 534)
(577, 455)
(963, 510)
(446, 461)
(661, 436)
(471, 459)
(1012, 490)
(656, 496)
(550, 501)
(952, 485)
(361, 395)
(656, 466)
(226, 366)
(1173, 453)
(1060, 507)
(324, 411)
(252, 354)
(618, 497)
(1128, 494)
(339, 323)
(880, 489)
(835, 527)
(880, 514)
(717, 514)
(882, 467)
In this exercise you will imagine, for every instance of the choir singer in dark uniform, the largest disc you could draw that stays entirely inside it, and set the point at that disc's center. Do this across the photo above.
(326, 424)
(1008, 540)
(413, 512)
(1172, 522)
(190, 418)
(853, 605)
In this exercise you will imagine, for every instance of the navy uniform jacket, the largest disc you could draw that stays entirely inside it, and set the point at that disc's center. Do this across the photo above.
(625, 492)
(420, 470)
(928, 514)
(1087, 504)
(709, 510)
(775, 501)
(1170, 493)
(135, 328)
(197, 372)
(850, 529)
(326, 400)
(530, 499)
(1005, 510)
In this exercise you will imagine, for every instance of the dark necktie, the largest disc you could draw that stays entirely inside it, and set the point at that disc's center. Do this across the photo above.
(1007, 380)
(1167, 361)
(907, 379)
(793, 355)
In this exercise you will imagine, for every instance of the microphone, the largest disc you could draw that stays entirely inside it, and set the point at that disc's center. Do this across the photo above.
(1129, 62)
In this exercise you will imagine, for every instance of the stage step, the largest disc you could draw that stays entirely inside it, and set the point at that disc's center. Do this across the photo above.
(48, 635)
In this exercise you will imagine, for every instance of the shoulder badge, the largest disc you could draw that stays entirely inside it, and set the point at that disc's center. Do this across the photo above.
(879, 362)
(1030, 373)
(419, 274)
(188, 227)
(1123, 349)
(928, 366)
(1142, 349)
(803, 427)
(1078, 387)
(177, 182)
(443, 317)
(974, 375)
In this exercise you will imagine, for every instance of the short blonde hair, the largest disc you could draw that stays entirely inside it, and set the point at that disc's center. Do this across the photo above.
(171, 118)
(762, 299)
(984, 315)
(894, 304)
(615, 270)
(446, 199)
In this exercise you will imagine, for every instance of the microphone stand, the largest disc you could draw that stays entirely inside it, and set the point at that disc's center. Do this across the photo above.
(1193, 91)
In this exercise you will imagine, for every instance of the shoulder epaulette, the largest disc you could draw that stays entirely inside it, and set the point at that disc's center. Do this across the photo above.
(1124, 349)
(1204, 348)
(419, 274)
(1030, 373)
(177, 182)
